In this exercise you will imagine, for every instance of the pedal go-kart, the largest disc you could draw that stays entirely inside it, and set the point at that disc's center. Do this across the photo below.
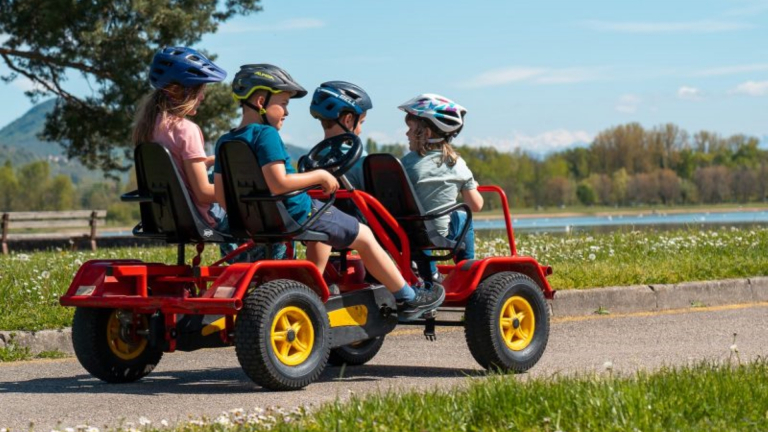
(279, 314)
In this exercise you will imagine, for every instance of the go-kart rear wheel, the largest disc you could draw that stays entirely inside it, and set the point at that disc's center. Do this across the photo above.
(281, 335)
(356, 354)
(109, 349)
(507, 323)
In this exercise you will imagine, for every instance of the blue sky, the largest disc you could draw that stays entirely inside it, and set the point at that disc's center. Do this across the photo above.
(536, 75)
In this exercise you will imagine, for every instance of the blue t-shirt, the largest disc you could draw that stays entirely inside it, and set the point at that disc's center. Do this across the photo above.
(269, 147)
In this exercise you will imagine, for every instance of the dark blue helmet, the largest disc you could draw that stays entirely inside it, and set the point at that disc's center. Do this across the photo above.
(333, 98)
(183, 66)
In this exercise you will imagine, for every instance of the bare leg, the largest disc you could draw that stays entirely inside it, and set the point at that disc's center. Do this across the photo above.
(318, 253)
(376, 261)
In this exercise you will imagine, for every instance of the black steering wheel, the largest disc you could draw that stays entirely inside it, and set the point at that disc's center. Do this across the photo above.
(330, 154)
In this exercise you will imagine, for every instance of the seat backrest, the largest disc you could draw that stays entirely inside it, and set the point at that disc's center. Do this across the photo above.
(243, 179)
(167, 210)
(387, 181)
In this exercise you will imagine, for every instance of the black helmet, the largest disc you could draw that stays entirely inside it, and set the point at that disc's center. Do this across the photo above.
(264, 77)
(333, 98)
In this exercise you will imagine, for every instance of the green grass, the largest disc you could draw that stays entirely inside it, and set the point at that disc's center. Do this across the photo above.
(30, 284)
(704, 397)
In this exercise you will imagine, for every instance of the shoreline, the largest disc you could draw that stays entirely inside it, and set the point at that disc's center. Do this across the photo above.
(618, 212)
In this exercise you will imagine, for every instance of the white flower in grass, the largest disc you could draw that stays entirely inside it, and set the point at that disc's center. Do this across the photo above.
(608, 366)
(223, 420)
(734, 348)
(22, 257)
(196, 423)
(69, 429)
(164, 423)
(45, 274)
(591, 257)
(143, 421)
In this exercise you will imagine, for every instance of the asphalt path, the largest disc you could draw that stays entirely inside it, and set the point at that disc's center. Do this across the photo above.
(58, 393)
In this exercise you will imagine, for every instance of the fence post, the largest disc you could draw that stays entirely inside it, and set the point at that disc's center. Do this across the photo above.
(94, 214)
(5, 233)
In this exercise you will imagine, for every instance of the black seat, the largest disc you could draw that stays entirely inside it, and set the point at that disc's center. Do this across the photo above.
(252, 210)
(387, 181)
(167, 211)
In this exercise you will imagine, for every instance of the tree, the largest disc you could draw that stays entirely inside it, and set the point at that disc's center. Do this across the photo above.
(9, 187)
(111, 44)
(585, 193)
(33, 181)
(60, 194)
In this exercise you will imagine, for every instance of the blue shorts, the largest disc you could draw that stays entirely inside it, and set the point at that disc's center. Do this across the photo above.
(342, 229)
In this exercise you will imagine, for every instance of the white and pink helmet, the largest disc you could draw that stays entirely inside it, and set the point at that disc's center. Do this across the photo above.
(445, 114)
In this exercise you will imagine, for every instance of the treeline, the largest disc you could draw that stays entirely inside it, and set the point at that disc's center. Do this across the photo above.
(31, 187)
(627, 165)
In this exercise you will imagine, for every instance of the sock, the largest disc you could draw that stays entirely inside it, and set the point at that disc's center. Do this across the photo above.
(406, 293)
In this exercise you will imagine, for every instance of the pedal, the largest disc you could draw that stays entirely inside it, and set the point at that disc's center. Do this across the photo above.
(429, 329)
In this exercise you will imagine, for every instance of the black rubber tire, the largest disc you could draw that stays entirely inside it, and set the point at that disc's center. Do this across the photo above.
(252, 335)
(89, 339)
(356, 354)
(482, 323)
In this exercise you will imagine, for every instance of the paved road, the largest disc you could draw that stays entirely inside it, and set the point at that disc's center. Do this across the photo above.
(210, 381)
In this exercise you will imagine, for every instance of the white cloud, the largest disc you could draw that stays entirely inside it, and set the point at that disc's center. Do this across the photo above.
(749, 8)
(504, 76)
(752, 88)
(389, 138)
(732, 70)
(628, 104)
(705, 26)
(543, 143)
(513, 74)
(287, 25)
(690, 93)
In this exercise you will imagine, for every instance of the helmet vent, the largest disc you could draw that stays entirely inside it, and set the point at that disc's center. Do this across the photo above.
(196, 72)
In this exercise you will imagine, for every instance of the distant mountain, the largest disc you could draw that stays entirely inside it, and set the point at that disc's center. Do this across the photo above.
(20, 145)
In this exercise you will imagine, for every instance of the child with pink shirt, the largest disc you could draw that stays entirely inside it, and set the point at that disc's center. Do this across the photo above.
(178, 76)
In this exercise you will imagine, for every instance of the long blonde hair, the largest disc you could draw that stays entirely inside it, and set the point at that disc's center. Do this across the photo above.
(173, 100)
(449, 156)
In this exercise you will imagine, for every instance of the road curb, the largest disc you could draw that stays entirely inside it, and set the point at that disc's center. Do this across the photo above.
(567, 303)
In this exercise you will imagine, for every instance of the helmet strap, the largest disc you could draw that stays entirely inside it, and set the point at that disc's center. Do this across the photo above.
(343, 126)
(261, 111)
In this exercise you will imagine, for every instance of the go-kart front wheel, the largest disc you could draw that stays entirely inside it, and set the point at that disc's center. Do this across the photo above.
(507, 323)
(281, 335)
(111, 349)
(356, 354)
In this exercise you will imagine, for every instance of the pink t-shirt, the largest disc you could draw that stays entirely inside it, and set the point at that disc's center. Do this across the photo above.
(184, 140)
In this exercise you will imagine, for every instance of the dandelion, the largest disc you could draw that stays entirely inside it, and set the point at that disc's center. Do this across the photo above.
(164, 423)
(22, 257)
(45, 274)
(143, 421)
(592, 257)
(608, 366)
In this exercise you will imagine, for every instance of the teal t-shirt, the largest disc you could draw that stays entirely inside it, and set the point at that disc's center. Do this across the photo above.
(437, 184)
(269, 147)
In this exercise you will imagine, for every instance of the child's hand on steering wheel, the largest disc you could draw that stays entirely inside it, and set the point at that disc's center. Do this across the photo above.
(328, 182)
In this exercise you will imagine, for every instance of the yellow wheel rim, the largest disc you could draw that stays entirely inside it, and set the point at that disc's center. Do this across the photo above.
(293, 336)
(517, 323)
(125, 350)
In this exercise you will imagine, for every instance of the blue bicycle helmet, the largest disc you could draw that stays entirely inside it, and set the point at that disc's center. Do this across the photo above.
(333, 98)
(183, 66)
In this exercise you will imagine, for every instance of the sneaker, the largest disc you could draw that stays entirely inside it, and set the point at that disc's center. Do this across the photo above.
(428, 297)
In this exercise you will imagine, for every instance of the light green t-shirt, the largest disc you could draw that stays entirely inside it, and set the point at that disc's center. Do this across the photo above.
(437, 184)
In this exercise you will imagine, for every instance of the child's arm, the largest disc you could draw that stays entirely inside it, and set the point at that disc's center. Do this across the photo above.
(218, 188)
(280, 182)
(473, 199)
(196, 173)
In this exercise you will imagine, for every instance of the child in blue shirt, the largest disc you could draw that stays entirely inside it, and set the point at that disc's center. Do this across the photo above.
(436, 171)
(264, 92)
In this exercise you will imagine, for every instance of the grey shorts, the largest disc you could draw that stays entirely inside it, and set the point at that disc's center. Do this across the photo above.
(342, 229)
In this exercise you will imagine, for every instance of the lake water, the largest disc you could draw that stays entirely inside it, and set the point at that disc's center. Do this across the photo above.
(660, 220)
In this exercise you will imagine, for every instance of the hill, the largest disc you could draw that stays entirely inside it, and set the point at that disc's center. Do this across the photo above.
(19, 144)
